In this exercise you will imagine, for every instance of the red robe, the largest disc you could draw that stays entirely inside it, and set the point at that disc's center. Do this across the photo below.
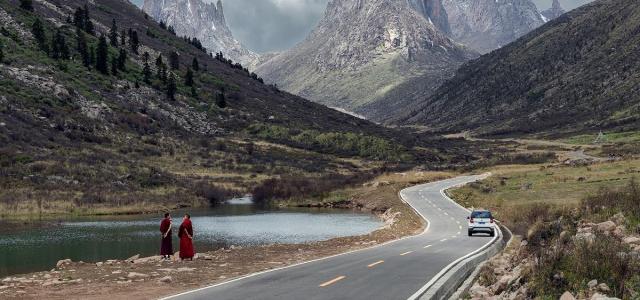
(166, 246)
(186, 241)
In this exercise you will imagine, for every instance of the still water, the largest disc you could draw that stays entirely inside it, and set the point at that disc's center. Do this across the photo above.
(91, 239)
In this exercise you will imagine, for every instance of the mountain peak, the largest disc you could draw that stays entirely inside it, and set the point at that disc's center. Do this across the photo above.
(555, 11)
(205, 21)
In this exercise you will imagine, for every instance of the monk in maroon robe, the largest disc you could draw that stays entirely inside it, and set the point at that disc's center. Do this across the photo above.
(166, 246)
(186, 238)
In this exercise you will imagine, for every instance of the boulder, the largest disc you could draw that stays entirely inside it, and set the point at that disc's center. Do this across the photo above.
(166, 279)
(603, 287)
(63, 262)
(567, 296)
(133, 258)
(134, 275)
(598, 296)
(147, 259)
(501, 285)
(619, 231)
(632, 240)
(592, 284)
(619, 218)
(607, 226)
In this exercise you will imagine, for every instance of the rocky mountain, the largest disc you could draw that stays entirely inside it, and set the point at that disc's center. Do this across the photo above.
(485, 25)
(555, 11)
(434, 11)
(575, 73)
(362, 49)
(202, 20)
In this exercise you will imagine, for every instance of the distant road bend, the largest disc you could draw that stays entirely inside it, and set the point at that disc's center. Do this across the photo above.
(396, 270)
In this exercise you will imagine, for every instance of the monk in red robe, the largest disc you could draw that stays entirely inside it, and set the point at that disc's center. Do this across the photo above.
(166, 245)
(186, 238)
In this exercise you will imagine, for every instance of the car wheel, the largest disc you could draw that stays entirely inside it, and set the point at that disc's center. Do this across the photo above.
(470, 232)
(493, 233)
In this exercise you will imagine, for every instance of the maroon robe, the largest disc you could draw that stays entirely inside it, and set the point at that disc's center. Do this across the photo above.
(186, 241)
(166, 246)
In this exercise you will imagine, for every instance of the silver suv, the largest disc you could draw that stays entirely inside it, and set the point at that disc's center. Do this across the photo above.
(481, 221)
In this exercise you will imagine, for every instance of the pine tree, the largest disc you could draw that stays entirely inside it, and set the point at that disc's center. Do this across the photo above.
(188, 78)
(134, 41)
(59, 47)
(88, 24)
(171, 88)
(146, 72)
(38, 33)
(145, 57)
(114, 66)
(195, 65)
(92, 56)
(113, 34)
(123, 38)
(26, 5)
(122, 60)
(81, 46)
(174, 60)
(78, 18)
(102, 56)
(159, 61)
(221, 100)
(1, 52)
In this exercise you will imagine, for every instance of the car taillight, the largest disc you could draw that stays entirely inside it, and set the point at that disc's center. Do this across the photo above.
(471, 221)
(491, 220)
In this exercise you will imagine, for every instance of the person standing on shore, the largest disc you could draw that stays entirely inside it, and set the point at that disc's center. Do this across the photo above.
(186, 238)
(166, 246)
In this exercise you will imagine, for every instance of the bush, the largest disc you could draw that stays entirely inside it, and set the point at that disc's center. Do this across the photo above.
(213, 193)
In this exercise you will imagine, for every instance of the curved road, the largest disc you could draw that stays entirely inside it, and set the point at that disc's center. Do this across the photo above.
(395, 270)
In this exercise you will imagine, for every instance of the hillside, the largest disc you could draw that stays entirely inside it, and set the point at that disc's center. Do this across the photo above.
(576, 73)
(360, 50)
(98, 116)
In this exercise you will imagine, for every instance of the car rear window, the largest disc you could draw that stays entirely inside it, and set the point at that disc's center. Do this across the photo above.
(481, 214)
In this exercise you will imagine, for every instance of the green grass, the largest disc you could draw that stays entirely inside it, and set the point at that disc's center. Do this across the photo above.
(609, 137)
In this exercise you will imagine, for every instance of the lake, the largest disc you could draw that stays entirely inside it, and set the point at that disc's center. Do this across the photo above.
(91, 239)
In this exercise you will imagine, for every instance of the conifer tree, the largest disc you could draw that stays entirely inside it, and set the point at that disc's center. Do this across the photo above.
(38, 33)
(92, 55)
(122, 60)
(81, 47)
(26, 5)
(59, 48)
(146, 72)
(113, 34)
(221, 100)
(171, 88)
(174, 60)
(88, 24)
(134, 41)
(1, 52)
(188, 78)
(195, 65)
(123, 38)
(102, 56)
(114, 66)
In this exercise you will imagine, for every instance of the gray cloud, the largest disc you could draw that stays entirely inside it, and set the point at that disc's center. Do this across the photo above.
(274, 25)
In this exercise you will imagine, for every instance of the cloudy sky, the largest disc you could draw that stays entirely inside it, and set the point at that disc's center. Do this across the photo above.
(274, 25)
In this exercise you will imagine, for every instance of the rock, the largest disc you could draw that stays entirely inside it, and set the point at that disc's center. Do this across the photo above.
(147, 259)
(619, 218)
(134, 275)
(567, 296)
(586, 236)
(501, 285)
(632, 240)
(99, 264)
(184, 269)
(63, 262)
(592, 284)
(131, 259)
(619, 231)
(524, 243)
(607, 226)
(166, 279)
(598, 296)
(603, 287)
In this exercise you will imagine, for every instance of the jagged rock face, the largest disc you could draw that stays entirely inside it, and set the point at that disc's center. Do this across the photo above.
(434, 11)
(360, 50)
(555, 11)
(205, 21)
(486, 25)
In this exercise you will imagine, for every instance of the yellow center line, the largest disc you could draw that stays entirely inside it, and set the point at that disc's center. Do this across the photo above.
(332, 281)
(427, 246)
(375, 263)
(408, 252)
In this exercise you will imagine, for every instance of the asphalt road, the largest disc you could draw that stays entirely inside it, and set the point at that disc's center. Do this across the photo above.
(395, 270)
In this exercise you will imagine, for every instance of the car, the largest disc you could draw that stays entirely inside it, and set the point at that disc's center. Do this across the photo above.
(481, 221)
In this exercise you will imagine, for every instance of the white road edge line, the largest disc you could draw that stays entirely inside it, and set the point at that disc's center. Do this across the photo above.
(426, 230)
(446, 269)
